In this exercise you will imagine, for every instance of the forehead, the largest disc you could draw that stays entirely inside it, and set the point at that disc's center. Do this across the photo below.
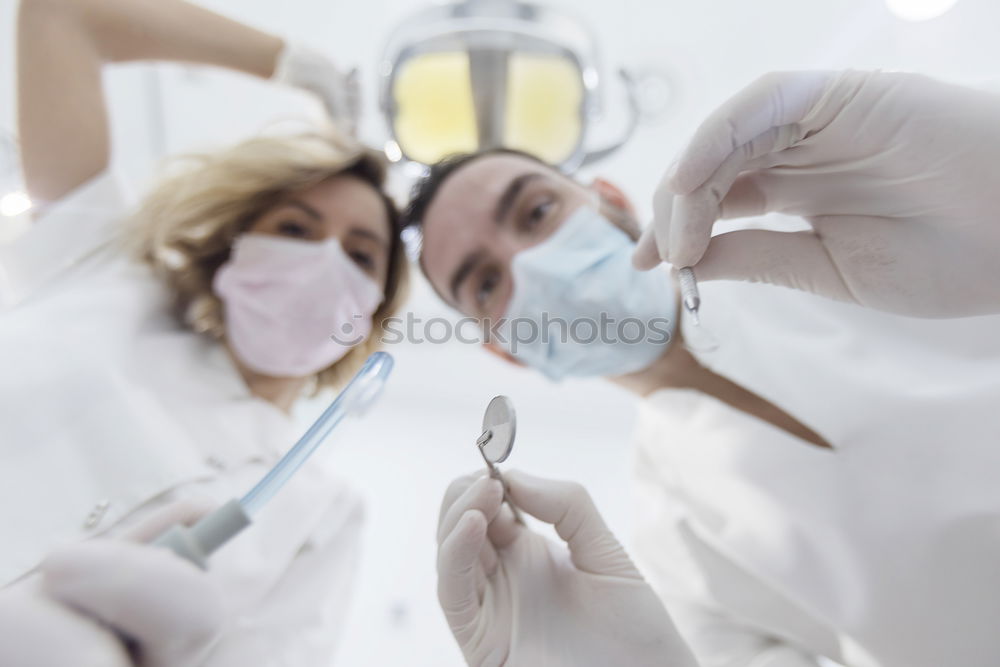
(474, 188)
(461, 213)
(342, 191)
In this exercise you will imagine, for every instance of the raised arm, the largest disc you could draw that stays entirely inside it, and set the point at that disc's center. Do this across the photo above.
(62, 45)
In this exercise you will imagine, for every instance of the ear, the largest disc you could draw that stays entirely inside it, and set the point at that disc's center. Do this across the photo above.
(612, 194)
(498, 351)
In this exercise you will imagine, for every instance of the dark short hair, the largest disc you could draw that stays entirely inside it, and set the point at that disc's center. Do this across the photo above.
(427, 187)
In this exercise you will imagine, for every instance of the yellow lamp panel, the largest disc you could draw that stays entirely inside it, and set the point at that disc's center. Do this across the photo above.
(435, 114)
(544, 94)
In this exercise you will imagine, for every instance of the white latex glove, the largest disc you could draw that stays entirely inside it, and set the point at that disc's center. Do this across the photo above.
(301, 67)
(895, 172)
(513, 597)
(92, 594)
(37, 631)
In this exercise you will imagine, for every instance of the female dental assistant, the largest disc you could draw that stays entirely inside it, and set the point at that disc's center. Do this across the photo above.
(155, 355)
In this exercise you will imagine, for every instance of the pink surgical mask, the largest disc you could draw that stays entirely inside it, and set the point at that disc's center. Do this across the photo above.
(293, 308)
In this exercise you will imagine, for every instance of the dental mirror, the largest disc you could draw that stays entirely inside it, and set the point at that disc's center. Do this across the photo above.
(499, 426)
(497, 440)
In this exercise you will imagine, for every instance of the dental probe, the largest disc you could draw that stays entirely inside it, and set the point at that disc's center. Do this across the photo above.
(196, 543)
(689, 292)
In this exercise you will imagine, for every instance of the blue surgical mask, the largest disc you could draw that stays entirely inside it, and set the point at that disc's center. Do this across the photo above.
(579, 307)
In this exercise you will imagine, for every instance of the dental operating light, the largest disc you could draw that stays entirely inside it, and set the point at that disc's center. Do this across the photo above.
(477, 74)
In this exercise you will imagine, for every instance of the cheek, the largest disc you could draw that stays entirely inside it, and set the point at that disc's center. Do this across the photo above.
(623, 220)
(383, 279)
(504, 292)
(385, 260)
(432, 274)
(439, 255)
(257, 226)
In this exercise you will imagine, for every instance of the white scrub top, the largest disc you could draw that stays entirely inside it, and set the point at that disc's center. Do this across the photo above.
(109, 408)
(883, 551)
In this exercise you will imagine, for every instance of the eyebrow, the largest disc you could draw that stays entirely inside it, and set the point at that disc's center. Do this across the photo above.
(368, 234)
(511, 193)
(463, 271)
(304, 207)
(316, 215)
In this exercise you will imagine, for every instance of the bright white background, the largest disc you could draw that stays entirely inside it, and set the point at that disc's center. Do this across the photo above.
(421, 435)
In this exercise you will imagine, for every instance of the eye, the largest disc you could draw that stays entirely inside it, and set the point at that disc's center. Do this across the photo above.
(536, 215)
(364, 260)
(486, 286)
(293, 229)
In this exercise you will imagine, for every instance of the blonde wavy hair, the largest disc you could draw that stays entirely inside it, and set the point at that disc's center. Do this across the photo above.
(185, 228)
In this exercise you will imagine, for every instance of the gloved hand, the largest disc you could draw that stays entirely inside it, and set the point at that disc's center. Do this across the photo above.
(513, 597)
(92, 594)
(896, 173)
(37, 631)
(301, 67)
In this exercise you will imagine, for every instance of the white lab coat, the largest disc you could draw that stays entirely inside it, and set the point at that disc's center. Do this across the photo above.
(109, 409)
(883, 552)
